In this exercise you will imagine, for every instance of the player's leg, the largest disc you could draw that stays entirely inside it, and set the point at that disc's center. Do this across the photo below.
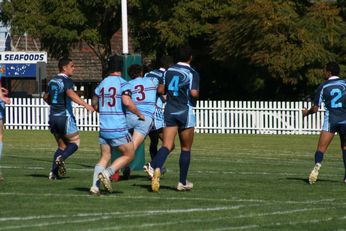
(323, 143)
(61, 147)
(186, 140)
(126, 148)
(101, 165)
(1, 144)
(169, 134)
(343, 148)
(154, 141)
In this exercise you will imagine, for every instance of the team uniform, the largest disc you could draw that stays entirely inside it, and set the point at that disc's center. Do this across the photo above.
(61, 118)
(113, 126)
(332, 93)
(158, 122)
(144, 92)
(179, 80)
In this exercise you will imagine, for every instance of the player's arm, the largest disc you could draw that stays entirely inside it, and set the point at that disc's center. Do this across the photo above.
(95, 102)
(161, 89)
(127, 102)
(46, 97)
(75, 98)
(310, 111)
(194, 91)
(3, 97)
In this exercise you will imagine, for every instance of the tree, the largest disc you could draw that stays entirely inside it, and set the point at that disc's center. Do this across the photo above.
(279, 42)
(60, 25)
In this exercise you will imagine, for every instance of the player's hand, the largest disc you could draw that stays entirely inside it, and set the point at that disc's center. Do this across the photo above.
(141, 117)
(90, 108)
(6, 100)
(4, 91)
(305, 112)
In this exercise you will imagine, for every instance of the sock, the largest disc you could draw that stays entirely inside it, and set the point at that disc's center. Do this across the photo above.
(1, 146)
(96, 182)
(184, 163)
(344, 159)
(55, 168)
(153, 150)
(160, 158)
(69, 150)
(318, 157)
(110, 171)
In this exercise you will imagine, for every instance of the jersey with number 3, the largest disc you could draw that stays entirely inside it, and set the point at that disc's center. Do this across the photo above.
(112, 117)
(144, 92)
(333, 95)
(179, 80)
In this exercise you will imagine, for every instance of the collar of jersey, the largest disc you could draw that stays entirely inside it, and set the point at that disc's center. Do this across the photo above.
(184, 64)
(62, 74)
(333, 77)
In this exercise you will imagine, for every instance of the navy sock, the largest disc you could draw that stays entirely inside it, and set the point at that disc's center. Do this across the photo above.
(69, 150)
(344, 159)
(318, 157)
(57, 153)
(184, 163)
(160, 158)
(153, 150)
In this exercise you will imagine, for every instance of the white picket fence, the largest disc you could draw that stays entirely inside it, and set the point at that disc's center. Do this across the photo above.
(240, 117)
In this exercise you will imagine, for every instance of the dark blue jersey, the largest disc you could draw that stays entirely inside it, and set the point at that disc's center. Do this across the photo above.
(333, 95)
(60, 103)
(179, 80)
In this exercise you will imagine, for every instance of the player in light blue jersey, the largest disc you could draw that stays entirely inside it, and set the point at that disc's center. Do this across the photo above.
(144, 91)
(182, 87)
(3, 100)
(62, 122)
(110, 96)
(331, 93)
(156, 131)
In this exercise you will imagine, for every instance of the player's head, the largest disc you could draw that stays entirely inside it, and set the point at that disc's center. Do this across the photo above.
(115, 64)
(332, 69)
(66, 66)
(165, 61)
(183, 53)
(135, 70)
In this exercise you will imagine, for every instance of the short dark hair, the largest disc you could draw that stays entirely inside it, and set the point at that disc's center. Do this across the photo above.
(165, 61)
(135, 70)
(333, 68)
(115, 64)
(183, 53)
(63, 62)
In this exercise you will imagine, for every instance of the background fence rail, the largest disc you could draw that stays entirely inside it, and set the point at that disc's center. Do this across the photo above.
(240, 117)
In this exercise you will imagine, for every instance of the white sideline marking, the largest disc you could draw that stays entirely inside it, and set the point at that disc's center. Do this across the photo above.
(104, 216)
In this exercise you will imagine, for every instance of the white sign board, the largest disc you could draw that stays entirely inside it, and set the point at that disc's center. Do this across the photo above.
(9, 57)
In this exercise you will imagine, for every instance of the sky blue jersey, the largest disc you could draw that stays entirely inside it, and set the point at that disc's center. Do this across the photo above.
(60, 103)
(144, 92)
(332, 93)
(158, 74)
(179, 80)
(112, 117)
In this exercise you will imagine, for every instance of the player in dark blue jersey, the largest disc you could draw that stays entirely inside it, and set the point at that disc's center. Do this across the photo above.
(182, 87)
(332, 93)
(156, 131)
(110, 96)
(3, 100)
(62, 122)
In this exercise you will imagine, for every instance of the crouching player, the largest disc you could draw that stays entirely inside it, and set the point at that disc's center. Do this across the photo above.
(110, 96)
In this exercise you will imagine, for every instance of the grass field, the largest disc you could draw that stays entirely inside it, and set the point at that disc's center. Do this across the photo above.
(242, 182)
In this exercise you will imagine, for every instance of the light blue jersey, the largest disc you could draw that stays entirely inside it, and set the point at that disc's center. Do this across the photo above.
(112, 117)
(144, 92)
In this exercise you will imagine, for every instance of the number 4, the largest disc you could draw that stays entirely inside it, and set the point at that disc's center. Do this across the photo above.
(174, 85)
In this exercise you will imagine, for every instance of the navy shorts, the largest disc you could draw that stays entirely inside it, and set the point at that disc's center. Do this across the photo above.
(183, 119)
(62, 125)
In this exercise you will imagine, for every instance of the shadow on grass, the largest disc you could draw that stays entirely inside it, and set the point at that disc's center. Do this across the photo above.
(46, 176)
(103, 192)
(306, 180)
(148, 187)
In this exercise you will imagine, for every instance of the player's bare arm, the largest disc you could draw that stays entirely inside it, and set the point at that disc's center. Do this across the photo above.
(75, 98)
(127, 101)
(310, 111)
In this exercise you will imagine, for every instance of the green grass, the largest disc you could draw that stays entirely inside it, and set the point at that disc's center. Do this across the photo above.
(241, 182)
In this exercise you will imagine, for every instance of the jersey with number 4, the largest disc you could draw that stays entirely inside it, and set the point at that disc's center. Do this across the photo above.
(332, 93)
(179, 80)
(112, 118)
